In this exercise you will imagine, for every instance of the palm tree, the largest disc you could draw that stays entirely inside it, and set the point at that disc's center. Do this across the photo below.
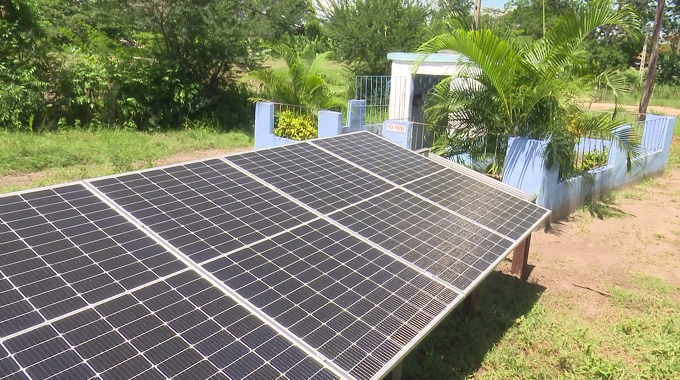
(534, 90)
(304, 82)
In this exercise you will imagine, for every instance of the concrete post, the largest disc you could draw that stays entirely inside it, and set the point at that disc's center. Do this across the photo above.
(264, 125)
(356, 115)
(330, 123)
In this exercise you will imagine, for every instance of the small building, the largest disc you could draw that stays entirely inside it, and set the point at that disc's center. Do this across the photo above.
(412, 78)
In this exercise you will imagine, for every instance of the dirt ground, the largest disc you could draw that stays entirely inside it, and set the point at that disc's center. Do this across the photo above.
(585, 251)
(610, 106)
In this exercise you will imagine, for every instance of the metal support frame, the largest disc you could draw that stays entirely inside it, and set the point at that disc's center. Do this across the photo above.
(395, 374)
(520, 259)
(470, 303)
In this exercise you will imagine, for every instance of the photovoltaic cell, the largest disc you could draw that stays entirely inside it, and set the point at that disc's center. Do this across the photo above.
(63, 248)
(380, 156)
(181, 328)
(314, 177)
(205, 209)
(509, 215)
(506, 214)
(432, 238)
(354, 304)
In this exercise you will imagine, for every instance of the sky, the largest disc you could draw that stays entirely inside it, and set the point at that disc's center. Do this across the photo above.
(494, 3)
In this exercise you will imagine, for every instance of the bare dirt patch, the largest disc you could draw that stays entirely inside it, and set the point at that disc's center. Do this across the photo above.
(653, 109)
(599, 254)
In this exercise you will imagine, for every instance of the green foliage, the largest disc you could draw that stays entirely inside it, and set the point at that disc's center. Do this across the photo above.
(594, 159)
(533, 91)
(305, 83)
(125, 64)
(366, 30)
(294, 126)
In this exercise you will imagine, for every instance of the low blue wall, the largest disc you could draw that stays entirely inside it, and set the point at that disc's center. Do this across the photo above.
(525, 168)
(330, 124)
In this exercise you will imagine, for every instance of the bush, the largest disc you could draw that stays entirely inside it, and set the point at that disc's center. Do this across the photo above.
(295, 126)
(594, 159)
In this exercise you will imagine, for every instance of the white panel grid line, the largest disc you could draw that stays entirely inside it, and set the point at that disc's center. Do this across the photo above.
(89, 306)
(61, 273)
(415, 242)
(326, 186)
(413, 193)
(218, 284)
(333, 222)
(164, 324)
(480, 177)
(158, 209)
(320, 276)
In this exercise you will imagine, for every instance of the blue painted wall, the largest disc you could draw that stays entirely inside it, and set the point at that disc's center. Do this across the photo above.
(525, 168)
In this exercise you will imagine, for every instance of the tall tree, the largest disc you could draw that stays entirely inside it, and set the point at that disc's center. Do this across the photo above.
(649, 81)
(364, 31)
(505, 89)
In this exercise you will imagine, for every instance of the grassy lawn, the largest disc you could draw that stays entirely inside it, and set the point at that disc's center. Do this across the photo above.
(76, 154)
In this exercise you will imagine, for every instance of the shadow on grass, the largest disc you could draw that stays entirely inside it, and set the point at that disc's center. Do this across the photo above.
(457, 347)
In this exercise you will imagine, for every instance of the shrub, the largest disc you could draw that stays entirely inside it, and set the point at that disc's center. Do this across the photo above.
(594, 159)
(295, 126)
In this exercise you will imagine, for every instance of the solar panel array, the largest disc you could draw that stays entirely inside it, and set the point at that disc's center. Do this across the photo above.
(325, 259)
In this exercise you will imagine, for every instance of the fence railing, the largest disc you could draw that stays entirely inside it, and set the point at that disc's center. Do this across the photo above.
(286, 114)
(385, 96)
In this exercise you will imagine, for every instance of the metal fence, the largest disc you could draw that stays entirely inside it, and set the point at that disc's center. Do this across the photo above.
(286, 112)
(380, 93)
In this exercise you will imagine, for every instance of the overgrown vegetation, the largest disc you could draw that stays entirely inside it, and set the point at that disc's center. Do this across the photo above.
(295, 126)
(134, 64)
(533, 91)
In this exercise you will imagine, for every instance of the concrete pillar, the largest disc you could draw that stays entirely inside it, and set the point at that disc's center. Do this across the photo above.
(356, 115)
(398, 132)
(264, 125)
(330, 123)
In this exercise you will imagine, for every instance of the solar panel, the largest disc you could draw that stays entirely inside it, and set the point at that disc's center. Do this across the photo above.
(380, 156)
(181, 327)
(467, 196)
(432, 238)
(62, 249)
(354, 304)
(324, 259)
(508, 215)
(205, 209)
(312, 176)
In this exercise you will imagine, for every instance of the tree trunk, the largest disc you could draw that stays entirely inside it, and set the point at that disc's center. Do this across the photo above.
(654, 56)
(478, 6)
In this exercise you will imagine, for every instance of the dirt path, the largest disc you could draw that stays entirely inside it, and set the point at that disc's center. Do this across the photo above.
(658, 109)
(31, 179)
(599, 254)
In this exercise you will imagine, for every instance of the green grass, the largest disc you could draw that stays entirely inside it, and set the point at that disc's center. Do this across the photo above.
(523, 331)
(674, 159)
(74, 154)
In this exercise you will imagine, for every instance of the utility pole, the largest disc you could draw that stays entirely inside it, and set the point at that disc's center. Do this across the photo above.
(649, 82)
(543, 18)
(643, 56)
(478, 6)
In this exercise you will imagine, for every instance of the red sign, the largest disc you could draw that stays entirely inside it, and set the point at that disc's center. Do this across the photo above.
(399, 128)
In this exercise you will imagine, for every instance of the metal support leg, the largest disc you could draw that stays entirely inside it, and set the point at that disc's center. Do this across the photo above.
(470, 303)
(520, 258)
(395, 374)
